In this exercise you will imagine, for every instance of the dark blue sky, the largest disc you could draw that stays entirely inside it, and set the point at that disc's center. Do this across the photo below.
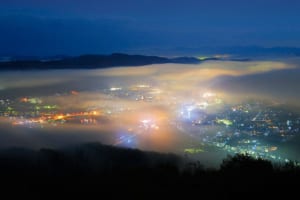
(49, 27)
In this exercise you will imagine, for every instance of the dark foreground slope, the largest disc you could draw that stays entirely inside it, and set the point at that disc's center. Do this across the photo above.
(95, 169)
(93, 62)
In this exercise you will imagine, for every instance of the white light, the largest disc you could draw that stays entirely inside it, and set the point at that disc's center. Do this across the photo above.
(145, 121)
(115, 89)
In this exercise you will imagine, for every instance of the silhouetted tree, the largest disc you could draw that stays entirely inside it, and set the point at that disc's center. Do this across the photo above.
(241, 163)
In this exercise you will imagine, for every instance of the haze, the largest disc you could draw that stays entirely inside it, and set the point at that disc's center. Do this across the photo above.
(145, 107)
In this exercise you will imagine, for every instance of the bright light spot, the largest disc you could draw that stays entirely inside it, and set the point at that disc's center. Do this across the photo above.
(224, 121)
(143, 86)
(115, 89)
(193, 150)
(202, 57)
(145, 121)
(59, 117)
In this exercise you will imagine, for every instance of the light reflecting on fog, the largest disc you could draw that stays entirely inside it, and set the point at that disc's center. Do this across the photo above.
(171, 107)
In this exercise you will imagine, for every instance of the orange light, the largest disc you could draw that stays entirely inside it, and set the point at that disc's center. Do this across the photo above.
(59, 117)
(24, 99)
(74, 92)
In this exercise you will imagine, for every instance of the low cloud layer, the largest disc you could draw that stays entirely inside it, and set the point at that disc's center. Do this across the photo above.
(171, 85)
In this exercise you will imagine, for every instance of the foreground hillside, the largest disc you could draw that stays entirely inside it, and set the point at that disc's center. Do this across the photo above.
(105, 170)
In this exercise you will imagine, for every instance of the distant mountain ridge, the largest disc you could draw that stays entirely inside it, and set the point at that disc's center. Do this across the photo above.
(93, 61)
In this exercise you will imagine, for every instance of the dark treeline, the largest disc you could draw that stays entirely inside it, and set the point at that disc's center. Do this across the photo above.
(106, 170)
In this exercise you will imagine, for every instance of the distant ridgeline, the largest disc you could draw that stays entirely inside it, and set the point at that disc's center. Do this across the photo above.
(94, 62)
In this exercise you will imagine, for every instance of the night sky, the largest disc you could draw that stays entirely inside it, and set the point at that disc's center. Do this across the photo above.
(72, 27)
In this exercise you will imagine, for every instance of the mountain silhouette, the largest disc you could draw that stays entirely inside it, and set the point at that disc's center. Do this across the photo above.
(93, 61)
